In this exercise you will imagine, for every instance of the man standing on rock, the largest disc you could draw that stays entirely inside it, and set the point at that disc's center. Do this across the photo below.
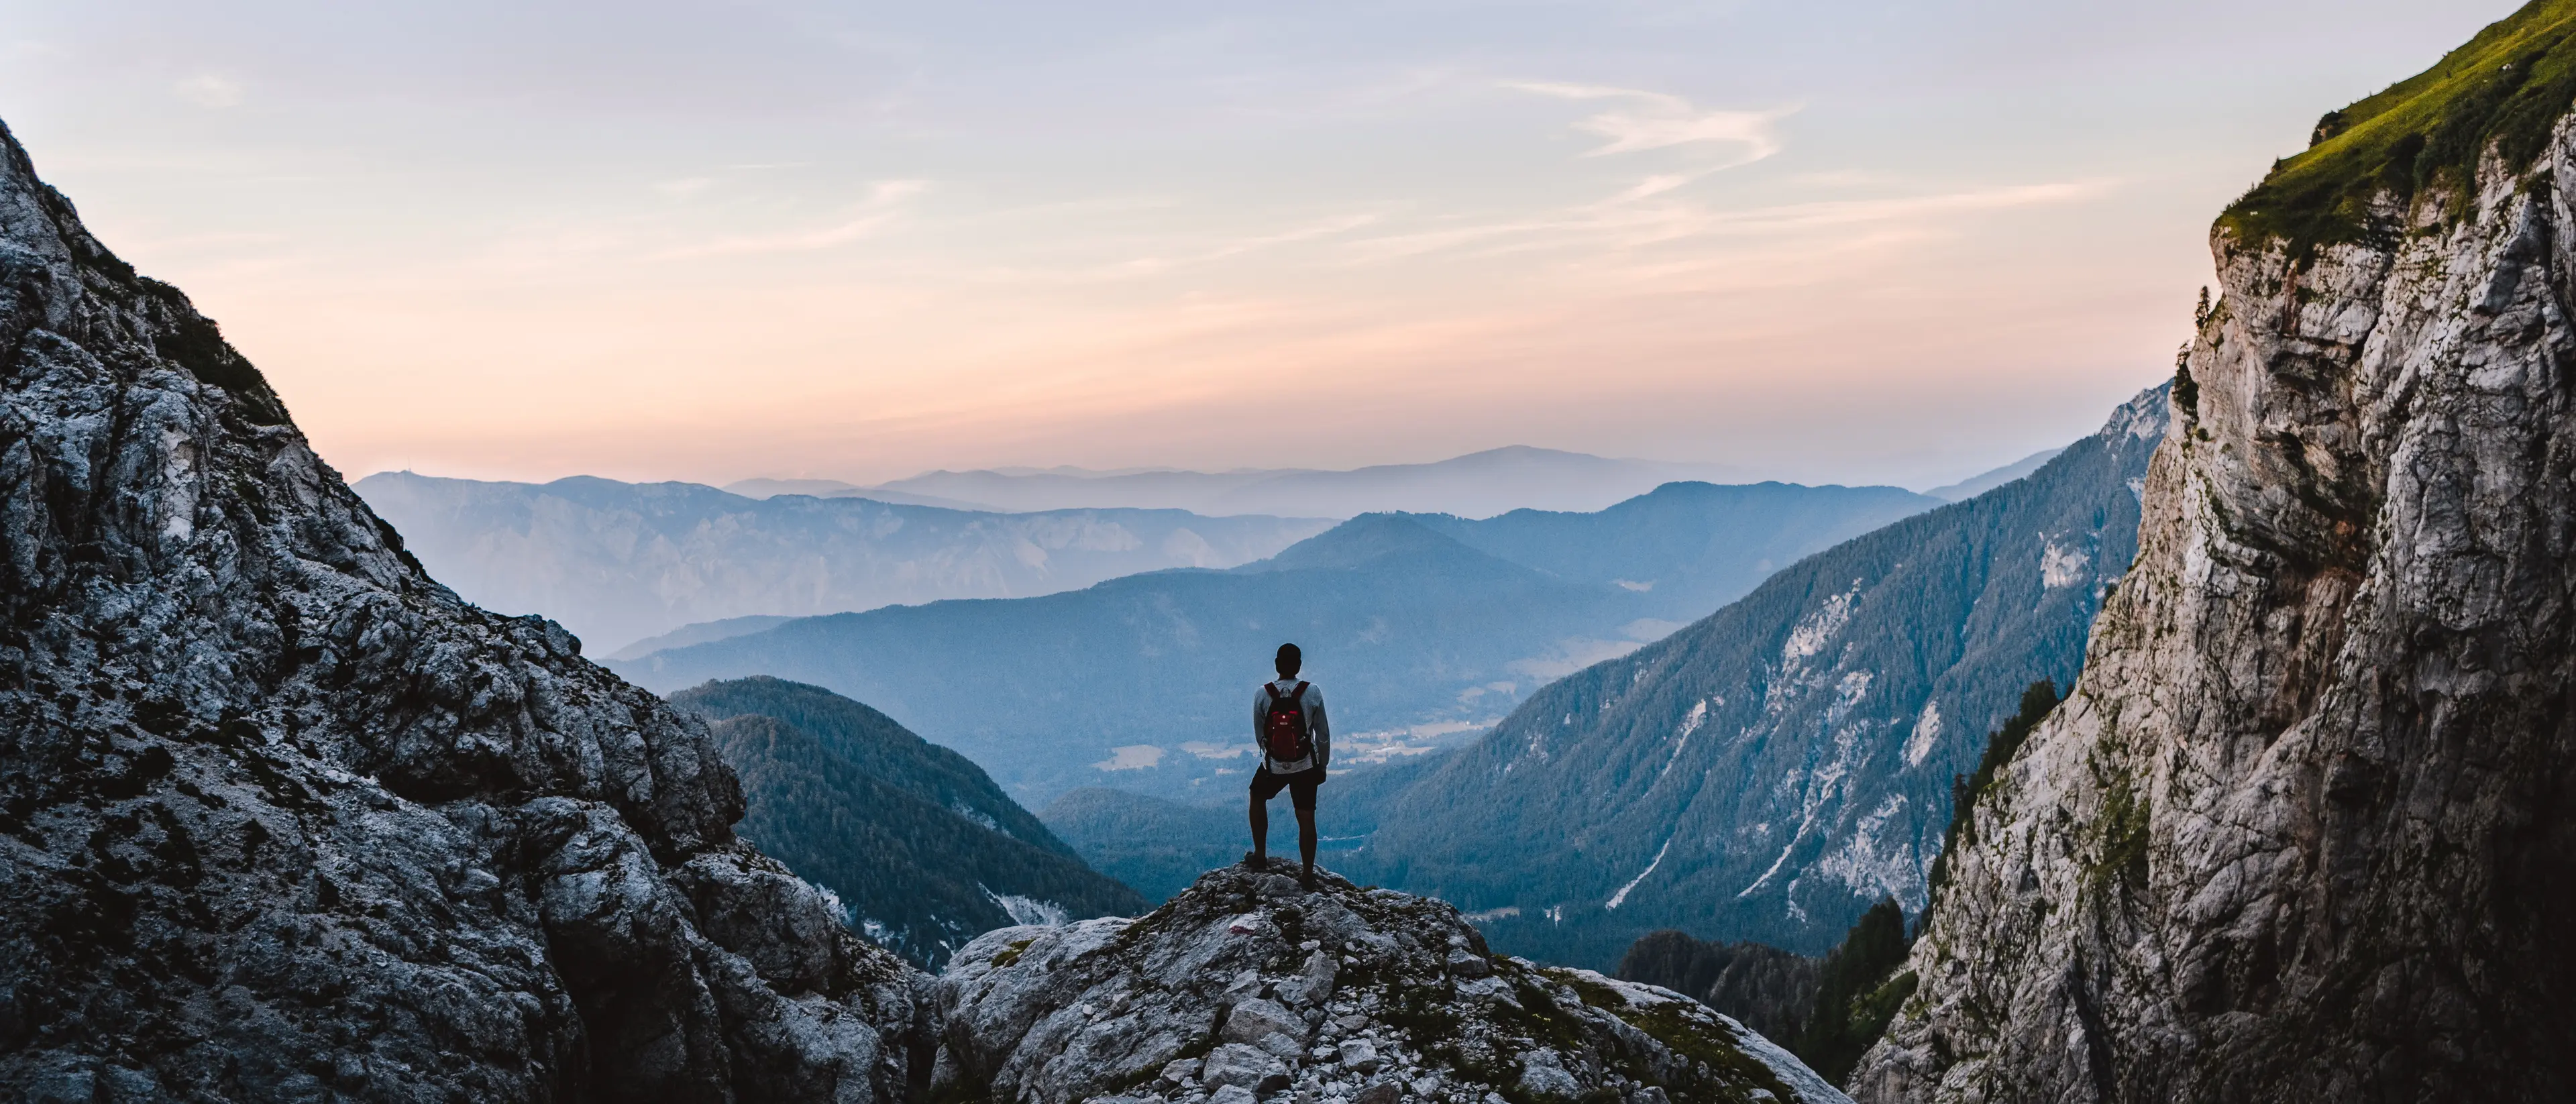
(1294, 741)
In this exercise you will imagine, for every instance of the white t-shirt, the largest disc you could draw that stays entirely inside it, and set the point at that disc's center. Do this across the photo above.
(1319, 735)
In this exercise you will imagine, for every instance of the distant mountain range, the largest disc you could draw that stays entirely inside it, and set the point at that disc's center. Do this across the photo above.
(1975, 485)
(1477, 485)
(917, 843)
(617, 562)
(1420, 628)
(1770, 771)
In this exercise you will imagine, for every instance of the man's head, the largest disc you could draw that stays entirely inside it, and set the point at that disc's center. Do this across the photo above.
(1290, 660)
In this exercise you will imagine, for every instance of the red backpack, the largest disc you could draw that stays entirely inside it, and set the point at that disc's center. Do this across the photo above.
(1284, 727)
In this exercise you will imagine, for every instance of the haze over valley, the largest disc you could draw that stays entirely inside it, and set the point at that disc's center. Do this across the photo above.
(2193, 729)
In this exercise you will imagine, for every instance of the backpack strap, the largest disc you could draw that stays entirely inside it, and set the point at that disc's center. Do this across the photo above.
(1273, 688)
(1299, 694)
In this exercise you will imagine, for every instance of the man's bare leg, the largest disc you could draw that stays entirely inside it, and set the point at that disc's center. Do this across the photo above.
(1260, 834)
(1306, 842)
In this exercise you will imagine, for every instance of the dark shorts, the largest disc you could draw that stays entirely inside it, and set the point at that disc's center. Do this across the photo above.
(1300, 786)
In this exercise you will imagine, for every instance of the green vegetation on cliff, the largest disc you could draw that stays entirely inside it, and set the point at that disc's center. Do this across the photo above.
(2503, 90)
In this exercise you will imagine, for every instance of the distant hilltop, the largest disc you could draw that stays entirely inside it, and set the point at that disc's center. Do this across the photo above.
(1476, 485)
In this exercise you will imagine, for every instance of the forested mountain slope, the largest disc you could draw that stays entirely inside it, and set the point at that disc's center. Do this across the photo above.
(1770, 771)
(921, 848)
(2306, 827)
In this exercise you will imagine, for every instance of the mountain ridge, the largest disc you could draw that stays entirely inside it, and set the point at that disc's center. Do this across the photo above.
(1810, 727)
(917, 843)
(1417, 634)
(621, 562)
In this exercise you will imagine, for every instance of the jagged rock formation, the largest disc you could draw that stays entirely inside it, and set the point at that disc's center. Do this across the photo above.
(285, 820)
(1246, 985)
(2302, 831)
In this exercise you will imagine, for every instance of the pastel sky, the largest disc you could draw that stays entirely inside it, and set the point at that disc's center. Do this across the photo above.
(1849, 240)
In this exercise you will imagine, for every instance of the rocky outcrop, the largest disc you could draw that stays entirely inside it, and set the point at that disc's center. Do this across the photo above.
(1246, 985)
(2303, 829)
(282, 819)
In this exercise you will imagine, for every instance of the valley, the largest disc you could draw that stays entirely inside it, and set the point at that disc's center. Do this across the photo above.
(2219, 755)
(1426, 628)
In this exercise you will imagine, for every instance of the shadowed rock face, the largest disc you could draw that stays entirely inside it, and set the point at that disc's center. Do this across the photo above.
(1245, 984)
(2302, 831)
(283, 819)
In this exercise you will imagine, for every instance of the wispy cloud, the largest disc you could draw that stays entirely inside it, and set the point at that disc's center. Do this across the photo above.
(1655, 120)
(1623, 223)
(883, 204)
(1329, 226)
(209, 90)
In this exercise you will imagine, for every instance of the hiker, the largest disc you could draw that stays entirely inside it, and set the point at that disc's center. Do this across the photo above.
(1294, 742)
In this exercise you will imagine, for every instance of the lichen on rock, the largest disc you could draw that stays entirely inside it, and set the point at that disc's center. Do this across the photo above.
(1246, 985)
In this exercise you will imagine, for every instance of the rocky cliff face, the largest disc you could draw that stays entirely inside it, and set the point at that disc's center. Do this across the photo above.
(1246, 986)
(285, 820)
(2302, 831)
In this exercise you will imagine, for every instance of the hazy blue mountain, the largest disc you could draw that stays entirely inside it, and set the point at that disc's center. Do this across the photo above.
(834, 488)
(1687, 548)
(1982, 482)
(1146, 681)
(616, 562)
(1476, 485)
(1416, 634)
(918, 843)
(701, 633)
(1769, 772)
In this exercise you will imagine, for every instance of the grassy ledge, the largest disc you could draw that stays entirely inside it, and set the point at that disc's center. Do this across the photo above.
(2503, 90)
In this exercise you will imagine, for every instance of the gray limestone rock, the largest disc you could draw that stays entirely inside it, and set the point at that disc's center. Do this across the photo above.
(1549, 1082)
(2302, 830)
(1358, 1056)
(1247, 1066)
(285, 820)
(1059, 1015)
(1469, 965)
(1255, 1019)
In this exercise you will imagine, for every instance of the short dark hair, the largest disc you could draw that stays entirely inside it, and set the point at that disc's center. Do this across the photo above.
(1290, 659)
